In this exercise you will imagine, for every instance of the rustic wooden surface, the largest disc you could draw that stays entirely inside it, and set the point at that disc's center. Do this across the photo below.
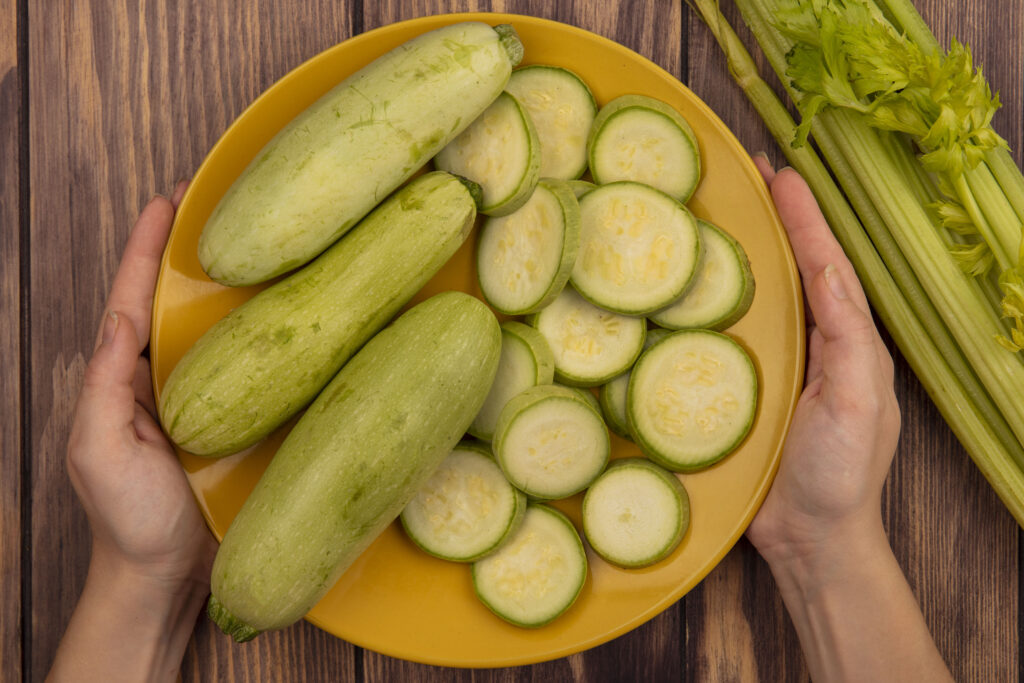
(103, 104)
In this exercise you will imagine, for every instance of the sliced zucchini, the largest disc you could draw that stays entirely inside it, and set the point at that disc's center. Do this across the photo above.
(581, 187)
(537, 574)
(500, 152)
(466, 509)
(640, 138)
(524, 259)
(612, 395)
(526, 361)
(692, 398)
(563, 110)
(591, 345)
(722, 289)
(636, 513)
(639, 248)
(588, 396)
(550, 442)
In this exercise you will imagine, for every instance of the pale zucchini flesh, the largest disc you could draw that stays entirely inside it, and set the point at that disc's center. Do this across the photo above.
(643, 139)
(340, 157)
(537, 574)
(636, 513)
(526, 361)
(525, 258)
(612, 395)
(352, 462)
(466, 509)
(267, 359)
(500, 152)
(590, 345)
(562, 109)
(722, 289)
(639, 248)
(551, 442)
(692, 399)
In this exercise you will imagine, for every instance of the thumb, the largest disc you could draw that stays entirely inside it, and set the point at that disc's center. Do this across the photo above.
(108, 394)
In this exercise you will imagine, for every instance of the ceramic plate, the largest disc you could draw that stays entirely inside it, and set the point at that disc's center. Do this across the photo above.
(395, 599)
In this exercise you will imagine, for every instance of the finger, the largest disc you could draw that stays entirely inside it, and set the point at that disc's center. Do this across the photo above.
(147, 429)
(849, 348)
(179, 193)
(107, 399)
(142, 385)
(814, 245)
(764, 166)
(132, 292)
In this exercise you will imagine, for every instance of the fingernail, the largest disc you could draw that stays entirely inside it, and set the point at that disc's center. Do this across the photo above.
(834, 282)
(762, 154)
(109, 327)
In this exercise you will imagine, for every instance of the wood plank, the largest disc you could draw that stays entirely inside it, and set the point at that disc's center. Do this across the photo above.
(11, 437)
(934, 493)
(125, 99)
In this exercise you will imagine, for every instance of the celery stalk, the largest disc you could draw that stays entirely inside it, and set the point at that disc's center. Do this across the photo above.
(996, 452)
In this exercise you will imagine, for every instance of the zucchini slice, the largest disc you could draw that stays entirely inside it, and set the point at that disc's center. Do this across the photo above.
(636, 513)
(563, 110)
(692, 398)
(639, 248)
(537, 574)
(466, 509)
(591, 345)
(640, 138)
(526, 361)
(722, 289)
(500, 152)
(524, 259)
(612, 395)
(550, 442)
(581, 187)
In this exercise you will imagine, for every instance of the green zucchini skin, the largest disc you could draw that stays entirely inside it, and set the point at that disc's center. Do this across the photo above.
(353, 461)
(351, 148)
(268, 358)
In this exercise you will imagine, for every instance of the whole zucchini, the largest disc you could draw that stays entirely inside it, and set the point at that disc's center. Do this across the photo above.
(268, 358)
(353, 461)
(335, 161)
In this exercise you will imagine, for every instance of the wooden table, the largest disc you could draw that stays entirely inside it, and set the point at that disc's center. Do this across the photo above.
(103, 104)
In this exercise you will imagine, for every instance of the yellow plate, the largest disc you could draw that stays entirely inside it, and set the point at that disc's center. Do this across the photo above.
(395, 599)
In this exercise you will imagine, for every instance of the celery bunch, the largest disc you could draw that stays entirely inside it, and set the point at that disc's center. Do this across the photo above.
(930, 199)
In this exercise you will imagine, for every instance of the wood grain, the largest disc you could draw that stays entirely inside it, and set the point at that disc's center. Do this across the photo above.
(10, 345)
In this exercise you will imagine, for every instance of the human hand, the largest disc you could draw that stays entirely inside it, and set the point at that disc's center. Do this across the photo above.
(151, 556)
(846, 424)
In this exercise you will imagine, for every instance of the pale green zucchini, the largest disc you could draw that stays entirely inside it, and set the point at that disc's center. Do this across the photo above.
(355, 459)
(269, 357)
(340, 157)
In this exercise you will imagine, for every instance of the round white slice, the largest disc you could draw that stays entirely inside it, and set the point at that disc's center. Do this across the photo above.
(639, 248)
(722, 289)
(551, 442)
(692, 398)
(590, 345)
(643, 139)
(466, 509)
(537, 574)
(562, 109)
(636, 513)
(524, 259)
(526, 361)
(500, 152)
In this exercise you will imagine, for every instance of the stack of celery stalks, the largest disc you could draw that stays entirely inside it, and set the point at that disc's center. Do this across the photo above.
(929, 204)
